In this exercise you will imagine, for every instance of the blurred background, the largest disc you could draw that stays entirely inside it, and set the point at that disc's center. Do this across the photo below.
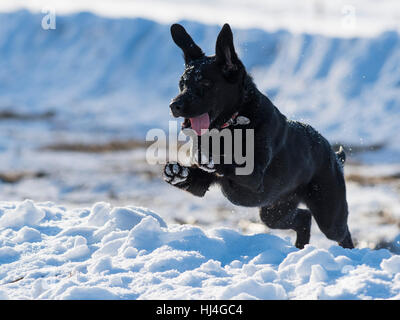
(81, 83)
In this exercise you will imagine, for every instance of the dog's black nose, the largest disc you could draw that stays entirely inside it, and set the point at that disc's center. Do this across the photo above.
(176, 107)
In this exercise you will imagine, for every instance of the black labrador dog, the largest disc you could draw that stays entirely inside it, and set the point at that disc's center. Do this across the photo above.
(293, 163)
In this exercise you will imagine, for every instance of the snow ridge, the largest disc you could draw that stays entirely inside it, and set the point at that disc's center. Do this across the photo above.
(110, 252)
(122, 73)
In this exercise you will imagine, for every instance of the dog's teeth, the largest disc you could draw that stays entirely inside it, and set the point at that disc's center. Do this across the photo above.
(185, 172)
(175, 169)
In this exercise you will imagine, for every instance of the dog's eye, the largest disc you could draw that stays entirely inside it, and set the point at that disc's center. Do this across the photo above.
(206, 83)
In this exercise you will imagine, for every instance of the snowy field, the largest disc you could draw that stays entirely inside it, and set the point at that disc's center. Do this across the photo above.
(76, 103)
(49, 252)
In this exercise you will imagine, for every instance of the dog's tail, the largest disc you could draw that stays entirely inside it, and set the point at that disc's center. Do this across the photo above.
(341, 156)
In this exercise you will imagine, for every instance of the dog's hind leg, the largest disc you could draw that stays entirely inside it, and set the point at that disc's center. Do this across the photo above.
(326, 199)
(285, 215)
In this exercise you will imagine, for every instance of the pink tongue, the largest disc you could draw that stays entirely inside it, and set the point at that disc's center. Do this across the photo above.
(200, 122)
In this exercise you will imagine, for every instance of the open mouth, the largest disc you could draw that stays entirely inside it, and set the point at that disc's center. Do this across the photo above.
(199, 124)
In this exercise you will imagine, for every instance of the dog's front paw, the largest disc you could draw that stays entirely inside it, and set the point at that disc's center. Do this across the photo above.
(175, 174)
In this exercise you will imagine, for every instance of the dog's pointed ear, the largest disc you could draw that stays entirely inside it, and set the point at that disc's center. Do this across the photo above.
(191, 51)
(225, 51)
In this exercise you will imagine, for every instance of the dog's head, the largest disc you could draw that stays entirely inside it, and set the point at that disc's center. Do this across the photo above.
(210, 87)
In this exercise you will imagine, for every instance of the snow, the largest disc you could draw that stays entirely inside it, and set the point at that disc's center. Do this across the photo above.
(148, 259)
(27, 234)
(88, 234)
(339, 17)
(25, 214)
(345, 87)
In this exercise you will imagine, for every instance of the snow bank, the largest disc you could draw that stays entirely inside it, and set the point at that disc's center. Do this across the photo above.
(321, 16)
(119, 75)
(25, 214)
(131, 253)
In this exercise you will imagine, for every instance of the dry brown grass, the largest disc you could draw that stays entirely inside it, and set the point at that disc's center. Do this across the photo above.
(111, 146)
(14, 177)
(373, 180)
(12, 115)
(354, 149)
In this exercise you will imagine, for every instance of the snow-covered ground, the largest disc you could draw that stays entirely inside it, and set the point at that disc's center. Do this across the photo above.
(345, 18)
(49, 252)
(124, 178)
(96, 79)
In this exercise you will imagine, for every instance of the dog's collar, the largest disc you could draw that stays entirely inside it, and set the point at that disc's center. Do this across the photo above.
(236, 120)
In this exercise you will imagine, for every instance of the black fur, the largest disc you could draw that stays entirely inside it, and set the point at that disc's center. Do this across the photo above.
(293, 163)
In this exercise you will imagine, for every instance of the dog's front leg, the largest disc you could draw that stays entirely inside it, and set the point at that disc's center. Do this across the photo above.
(253, 181)
(191, 179)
